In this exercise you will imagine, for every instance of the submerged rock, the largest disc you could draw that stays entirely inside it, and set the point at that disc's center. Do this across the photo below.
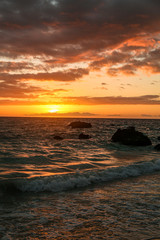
(84, 136)
(79, 124)
(130, 136)
(157, 147)
(56, 137)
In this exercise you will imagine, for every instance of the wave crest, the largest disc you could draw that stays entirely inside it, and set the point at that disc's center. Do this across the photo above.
(77, 180)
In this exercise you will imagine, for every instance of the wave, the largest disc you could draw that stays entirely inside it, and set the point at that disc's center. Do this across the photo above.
(71, 181)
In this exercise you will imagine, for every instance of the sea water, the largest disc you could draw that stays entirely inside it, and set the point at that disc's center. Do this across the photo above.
(77, 189)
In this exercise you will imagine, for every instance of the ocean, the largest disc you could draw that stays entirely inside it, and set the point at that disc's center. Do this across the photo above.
(77, 188)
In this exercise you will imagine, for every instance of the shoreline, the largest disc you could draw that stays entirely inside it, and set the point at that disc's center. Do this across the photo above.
(126, 209)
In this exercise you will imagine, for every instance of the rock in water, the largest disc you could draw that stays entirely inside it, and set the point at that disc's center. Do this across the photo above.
(130, 136)
(56, 137)
(157, 147)
(79, 124)
(84, 136)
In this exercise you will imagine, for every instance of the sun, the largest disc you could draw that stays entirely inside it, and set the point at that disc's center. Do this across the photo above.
(59, 109)
(53, 109)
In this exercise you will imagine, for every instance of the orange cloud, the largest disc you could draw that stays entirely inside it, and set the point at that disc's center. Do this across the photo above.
(110, 100)
(68, 75)
(65, 41)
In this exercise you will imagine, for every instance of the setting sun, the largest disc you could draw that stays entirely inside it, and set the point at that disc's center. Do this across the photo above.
(53, 109)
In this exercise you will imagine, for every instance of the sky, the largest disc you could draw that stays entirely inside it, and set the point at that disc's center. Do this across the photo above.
(83, 58)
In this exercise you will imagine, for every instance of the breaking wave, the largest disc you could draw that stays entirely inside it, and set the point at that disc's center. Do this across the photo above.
(77, 180)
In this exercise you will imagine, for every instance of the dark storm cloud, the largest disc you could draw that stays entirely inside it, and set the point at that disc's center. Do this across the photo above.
(46, 26)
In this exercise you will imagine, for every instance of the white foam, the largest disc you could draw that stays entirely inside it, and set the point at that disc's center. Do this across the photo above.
(71, 181)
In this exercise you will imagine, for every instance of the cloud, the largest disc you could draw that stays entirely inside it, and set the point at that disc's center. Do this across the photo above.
(7, 66)
(111, 59)
(147, 59)
(128, 60)
(24, 91)
(69, 29)
(140, 100)
(46, 40)
(65, 76)
(68, 114)
(144, 100)
(149, 115)
(113, 115)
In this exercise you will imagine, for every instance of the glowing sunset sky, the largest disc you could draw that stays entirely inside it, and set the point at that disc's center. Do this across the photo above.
(80, 58)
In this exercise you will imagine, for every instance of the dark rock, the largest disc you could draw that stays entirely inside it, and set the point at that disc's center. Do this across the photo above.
(79, 124)
(56, 137)
(130, 136)
(84, 136)
(157, 147)
(158, 138)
